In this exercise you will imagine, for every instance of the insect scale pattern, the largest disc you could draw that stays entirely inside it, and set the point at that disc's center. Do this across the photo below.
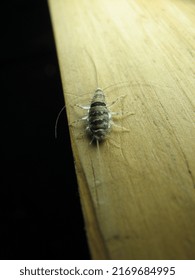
(99, 117)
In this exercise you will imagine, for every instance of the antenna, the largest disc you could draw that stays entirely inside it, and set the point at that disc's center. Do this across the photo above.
(115, 84)
(56, 123)
(95, 69)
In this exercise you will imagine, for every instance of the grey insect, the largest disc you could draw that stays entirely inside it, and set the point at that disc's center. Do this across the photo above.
(99, 117)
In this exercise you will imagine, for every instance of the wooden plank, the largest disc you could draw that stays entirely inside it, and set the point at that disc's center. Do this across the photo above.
(138, 192)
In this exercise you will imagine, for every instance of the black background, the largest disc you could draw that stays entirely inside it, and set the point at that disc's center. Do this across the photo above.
(40, 214)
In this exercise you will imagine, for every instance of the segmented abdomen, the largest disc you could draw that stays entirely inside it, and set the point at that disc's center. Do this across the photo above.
(98, 120)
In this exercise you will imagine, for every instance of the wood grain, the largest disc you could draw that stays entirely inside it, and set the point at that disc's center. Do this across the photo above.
(138, 192)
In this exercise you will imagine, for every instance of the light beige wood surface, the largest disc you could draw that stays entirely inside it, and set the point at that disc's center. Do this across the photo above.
(138, 191)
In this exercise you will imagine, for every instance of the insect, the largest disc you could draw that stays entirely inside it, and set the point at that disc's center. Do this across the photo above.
(99, 117)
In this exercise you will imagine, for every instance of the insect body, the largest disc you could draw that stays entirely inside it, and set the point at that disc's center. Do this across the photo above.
(99, 117)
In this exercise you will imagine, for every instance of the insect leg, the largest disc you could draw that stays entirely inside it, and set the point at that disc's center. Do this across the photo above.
(85, 107)
(79, 120)
(124, 129)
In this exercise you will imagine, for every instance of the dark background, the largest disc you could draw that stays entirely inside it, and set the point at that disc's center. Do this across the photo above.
(40, 215)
